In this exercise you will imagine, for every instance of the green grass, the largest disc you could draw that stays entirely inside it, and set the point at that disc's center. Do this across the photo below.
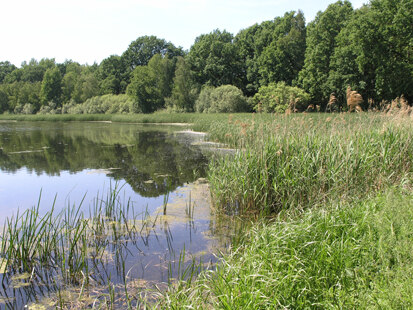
(343, 256)
(336, 194)
(159, 117)
(68, 250)
(304, 161)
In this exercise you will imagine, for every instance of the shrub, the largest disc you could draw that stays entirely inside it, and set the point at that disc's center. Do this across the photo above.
(279, 97)
(106, 104)
(223, 99)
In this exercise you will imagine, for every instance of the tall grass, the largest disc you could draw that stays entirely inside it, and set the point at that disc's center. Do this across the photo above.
(344, 256)
(302, 161)
(71, 248)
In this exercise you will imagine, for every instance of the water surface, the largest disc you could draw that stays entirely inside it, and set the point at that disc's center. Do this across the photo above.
(79, 163)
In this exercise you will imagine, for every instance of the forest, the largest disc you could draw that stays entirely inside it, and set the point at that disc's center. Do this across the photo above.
(271, 66)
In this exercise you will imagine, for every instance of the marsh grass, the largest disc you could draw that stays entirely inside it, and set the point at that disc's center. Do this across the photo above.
(344, 256)
(72, 253)
(304, 161)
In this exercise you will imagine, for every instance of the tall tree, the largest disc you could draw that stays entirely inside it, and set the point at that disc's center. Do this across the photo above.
(111, 75)
(51, 88)
(185, 90)
(272, 51)
(151, 84)
(87, 85)
(214, 59)
(283, 58)
(144, 48)
(374, 55)
(6, 68)
(321, 42)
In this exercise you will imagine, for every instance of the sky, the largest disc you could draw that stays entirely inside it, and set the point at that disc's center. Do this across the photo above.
(88, 31)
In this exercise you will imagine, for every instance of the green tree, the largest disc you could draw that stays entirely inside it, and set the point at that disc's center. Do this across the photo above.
(283, 59)
(144, 48)
(4, 101)
(321, 42)
(185, 90)
(214, 59)
(87, 86)
(374, 55)
(51, 88)
(272, 51)
(30, 93)
(111, 75)
(151, 84)
(5, 69)
(70, 80)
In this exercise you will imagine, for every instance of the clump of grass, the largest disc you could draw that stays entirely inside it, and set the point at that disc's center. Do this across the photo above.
(303, 161)
(354, 256)
(68, 249)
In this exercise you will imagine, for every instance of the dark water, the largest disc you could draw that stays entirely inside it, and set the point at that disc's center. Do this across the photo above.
(68, 163)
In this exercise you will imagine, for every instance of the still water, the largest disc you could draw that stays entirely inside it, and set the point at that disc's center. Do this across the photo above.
(158, 171)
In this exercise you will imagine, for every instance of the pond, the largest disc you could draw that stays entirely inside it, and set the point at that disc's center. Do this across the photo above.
(121, 208)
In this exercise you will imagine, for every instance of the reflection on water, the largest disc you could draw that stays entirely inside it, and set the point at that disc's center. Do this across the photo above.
(168, 225)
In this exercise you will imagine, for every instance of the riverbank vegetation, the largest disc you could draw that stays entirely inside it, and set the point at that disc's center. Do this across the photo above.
(332, 194)
(276, 65)
(341, 187)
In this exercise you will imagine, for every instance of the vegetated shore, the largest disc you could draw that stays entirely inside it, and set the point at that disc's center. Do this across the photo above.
(333, 198)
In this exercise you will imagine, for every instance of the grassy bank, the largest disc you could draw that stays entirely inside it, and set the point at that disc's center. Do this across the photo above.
(159, 117)
(337, 190)
(342, 256)
(341, 186)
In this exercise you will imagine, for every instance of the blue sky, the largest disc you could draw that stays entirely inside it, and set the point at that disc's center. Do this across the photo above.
(88, 31)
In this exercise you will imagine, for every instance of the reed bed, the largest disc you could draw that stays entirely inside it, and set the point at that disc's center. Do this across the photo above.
(308, 160)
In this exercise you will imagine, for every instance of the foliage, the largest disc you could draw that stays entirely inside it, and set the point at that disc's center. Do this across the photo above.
(283, 58)
(144, 48)
(51, 86)
(321, 43)
(223, 99)
(6, 68)
(112, 75)
(368, 49)
(107, 104)
(279, 97)
(151, 84)
(214, 59)
(30, 72)
(185, 90)
(86, 85)
(373, 54)
(272, 51)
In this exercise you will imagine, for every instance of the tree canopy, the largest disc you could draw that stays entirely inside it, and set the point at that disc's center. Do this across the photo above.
(369, 49)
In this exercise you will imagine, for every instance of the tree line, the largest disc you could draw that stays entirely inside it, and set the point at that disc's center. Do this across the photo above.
(269, 66)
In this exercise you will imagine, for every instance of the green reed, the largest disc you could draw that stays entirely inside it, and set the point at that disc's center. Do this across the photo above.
(302, 161)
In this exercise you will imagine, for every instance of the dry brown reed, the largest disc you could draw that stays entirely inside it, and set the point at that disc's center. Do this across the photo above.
(397, 107)
(354, 99)
(332, 104)
(310, 108)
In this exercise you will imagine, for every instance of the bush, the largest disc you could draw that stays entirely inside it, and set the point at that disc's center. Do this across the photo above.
(223, 99)
(279, 97)
(106, 104)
